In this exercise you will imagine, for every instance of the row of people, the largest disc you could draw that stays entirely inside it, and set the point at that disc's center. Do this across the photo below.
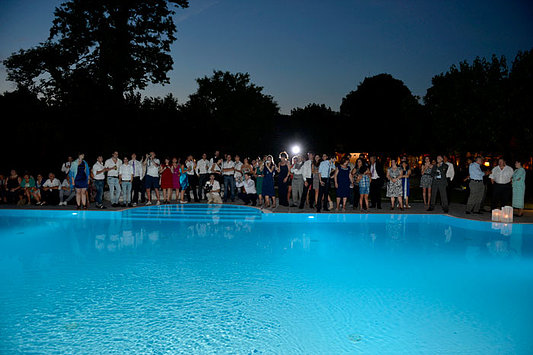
(307, 180)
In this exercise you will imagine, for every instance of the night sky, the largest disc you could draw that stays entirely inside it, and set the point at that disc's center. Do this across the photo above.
(312, 51)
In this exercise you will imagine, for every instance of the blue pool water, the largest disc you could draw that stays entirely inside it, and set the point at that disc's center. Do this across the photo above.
(227, 279)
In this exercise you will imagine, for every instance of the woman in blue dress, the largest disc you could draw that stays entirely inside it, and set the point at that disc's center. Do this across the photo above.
(79, 171)
(283, 180)
(406, 173)
(519, 188)
(184, 182)
(343, 179)
(268, 182)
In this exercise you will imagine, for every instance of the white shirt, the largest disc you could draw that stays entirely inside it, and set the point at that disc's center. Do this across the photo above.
(98, 167)
(502, 176)
(307, 169)
(228, 165)
(214, 186)
(109, 163)
(137, 168)
(53, 183)
(151, 168)
(190, 167)
(202, 166)
(249, 186)
(126, 172)
(238, 166)
(374, 172)
(450, 173)
(66, 184)
(66, 167)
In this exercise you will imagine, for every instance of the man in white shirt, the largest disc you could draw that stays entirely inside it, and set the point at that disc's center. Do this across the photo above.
(98, 173)
(450, 174)
(213, 190)
(66, 193)
(137, 183)
(65, 168)
(51, 190)
(190, 164)
(307, 175)
(238, 169)
(112, 165)
(151, 179)
(501, 177)
(125, 174)
(376, 182)
(202, 171)
(250, 193)
(228, 172)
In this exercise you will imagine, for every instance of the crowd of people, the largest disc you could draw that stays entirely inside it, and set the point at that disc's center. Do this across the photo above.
(303, 180)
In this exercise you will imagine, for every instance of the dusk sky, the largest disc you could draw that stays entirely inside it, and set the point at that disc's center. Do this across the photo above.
(311, 51)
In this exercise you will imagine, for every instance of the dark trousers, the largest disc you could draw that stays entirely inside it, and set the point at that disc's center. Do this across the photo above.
(323, 193)
(51, 197)
(440, 188)
(247, 198)
(501, 195)
(137, 187)
(201, 186)
(375, 192)
(283, 189)
(355, 196)
(308, 190)
(193, 185)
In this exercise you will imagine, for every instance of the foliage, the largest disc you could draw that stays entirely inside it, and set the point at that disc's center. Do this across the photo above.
(99, 49)
(381, 115)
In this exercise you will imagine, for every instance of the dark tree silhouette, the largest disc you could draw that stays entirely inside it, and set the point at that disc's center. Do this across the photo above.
(382, 114)
(231, 112)
(99, 49)
(483, 105)
(312, 126)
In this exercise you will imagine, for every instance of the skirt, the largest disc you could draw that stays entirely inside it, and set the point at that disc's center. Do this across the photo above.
(426, 181)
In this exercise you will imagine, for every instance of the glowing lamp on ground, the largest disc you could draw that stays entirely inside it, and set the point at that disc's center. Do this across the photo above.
(295, 149)
(497, 215)
(487, 163)
(507, 214)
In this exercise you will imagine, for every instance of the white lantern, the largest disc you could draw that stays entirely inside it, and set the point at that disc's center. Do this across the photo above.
(507, 214)
(496, 215)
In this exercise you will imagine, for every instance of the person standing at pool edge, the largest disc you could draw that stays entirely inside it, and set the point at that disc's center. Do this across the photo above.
(151, 179)
(112, 165)
(438, 172)
(80, 174)
(376, 182)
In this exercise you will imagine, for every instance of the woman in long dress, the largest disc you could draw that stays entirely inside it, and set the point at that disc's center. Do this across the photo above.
(519, 188)
(283, 179)
(394, 185)
(175, 169)
(343, 179)
(268, 182)
(406, 173)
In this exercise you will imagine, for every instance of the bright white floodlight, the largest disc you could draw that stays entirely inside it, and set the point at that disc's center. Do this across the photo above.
(295, 149)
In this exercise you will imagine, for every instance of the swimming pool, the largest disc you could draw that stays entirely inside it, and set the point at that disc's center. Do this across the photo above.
(230, 279)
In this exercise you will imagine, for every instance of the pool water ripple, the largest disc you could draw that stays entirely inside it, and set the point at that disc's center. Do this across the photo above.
(229, 279)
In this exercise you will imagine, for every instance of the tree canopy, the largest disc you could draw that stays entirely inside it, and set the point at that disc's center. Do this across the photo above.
(483, 105)
(99, 49)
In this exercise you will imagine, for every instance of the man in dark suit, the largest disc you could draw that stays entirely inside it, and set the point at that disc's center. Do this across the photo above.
(439, 184)
(376, 182)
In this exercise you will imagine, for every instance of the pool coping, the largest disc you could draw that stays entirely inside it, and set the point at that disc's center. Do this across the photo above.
(269, 211)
